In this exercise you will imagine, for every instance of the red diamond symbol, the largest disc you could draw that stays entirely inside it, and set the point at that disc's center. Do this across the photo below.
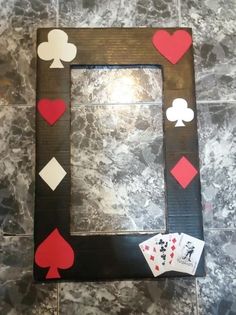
(157, 267)
(152, 257)
(174, 240)
(184, 172)
(173, 247)
(172, 255)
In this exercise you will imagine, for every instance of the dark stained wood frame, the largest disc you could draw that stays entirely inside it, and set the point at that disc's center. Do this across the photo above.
(106, 257)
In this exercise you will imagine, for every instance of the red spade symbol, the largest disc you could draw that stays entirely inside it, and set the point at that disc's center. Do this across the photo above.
(56, 253)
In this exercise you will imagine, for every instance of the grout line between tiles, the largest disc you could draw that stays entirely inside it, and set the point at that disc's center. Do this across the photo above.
(58, 304)
(18, 235)
(220, 229)
(120, 233)
(57, 13)
(98, 233)
(149, 103)
(125, 104)
(197, 301)
(17, 105)
(179, 12)
(118, 104)
(216, 101)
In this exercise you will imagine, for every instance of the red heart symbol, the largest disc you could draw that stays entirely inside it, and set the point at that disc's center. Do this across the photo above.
(172, 46)
(51, 110)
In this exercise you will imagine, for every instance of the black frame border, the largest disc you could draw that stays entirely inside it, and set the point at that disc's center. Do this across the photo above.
(109, 257)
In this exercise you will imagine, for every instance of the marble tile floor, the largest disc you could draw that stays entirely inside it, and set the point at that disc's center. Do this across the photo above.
(213, 23)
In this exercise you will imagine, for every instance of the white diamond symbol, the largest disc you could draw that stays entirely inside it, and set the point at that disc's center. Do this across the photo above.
(52, 173)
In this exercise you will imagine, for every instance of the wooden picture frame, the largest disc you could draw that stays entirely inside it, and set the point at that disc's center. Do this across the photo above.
(107, 257)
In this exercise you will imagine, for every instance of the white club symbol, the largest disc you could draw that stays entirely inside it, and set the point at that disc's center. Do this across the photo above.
(57, 48)
(179, 112)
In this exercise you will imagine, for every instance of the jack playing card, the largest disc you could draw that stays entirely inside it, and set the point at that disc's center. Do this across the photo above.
(188, 254)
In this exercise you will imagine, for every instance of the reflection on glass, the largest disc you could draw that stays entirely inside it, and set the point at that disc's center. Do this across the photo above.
(116, 85)
(123, 90)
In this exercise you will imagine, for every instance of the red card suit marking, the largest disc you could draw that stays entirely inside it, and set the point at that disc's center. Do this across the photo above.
(184, 172)
(54, 253)
(172, 46)
(51, 110)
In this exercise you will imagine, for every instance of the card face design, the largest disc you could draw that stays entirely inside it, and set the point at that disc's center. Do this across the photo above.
(162, 242)
(153, 256)
(188, 254)
(172, 252)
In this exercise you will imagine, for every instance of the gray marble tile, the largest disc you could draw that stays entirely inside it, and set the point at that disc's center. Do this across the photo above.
(163, 297)
(117, 168)
(102, 13)
(18, 294)
(217, 291)
(16, 169)
(217, 134)
(214, 33)
(19, 21)
(157, 13)
(117, 85)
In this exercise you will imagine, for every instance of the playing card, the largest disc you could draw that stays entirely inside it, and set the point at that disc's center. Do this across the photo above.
(161, 243)
(152, 255)
(171, 249)
(178, 252)
(188, 254)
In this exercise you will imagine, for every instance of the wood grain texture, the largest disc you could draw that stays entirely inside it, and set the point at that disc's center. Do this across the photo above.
(114, 256)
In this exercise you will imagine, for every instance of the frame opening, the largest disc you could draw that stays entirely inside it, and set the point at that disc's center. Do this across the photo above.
(117, 170)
